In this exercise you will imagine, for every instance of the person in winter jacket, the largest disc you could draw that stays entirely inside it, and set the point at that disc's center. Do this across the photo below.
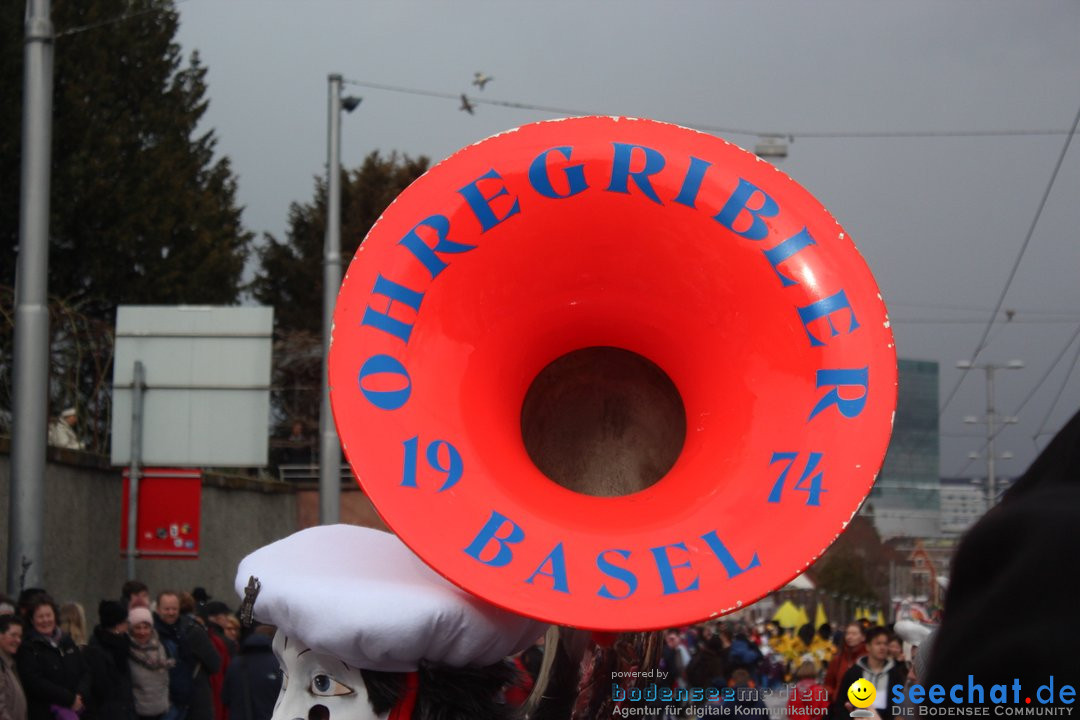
(744, 653)
(253, 680)
(196, 659)
(107, 659)
(52, 669)
(149, 666)
(212, 616)
(12, 697)
(878, 669)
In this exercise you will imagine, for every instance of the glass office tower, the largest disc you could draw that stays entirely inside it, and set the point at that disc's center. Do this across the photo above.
(906, 499)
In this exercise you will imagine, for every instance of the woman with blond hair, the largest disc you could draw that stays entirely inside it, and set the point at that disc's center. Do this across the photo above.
(73, 622)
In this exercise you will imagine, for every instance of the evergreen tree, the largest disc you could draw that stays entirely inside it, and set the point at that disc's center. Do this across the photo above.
(141, 211)
(290, 277)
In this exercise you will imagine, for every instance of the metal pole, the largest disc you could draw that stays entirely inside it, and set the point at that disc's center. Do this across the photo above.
(329, 447)
(991, 489)
(26, 546)
(138, 384)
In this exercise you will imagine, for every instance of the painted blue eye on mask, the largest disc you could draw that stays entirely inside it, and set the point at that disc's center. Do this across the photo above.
(325, 685)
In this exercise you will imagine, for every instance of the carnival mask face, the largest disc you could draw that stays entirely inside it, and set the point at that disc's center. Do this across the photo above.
(317, 686)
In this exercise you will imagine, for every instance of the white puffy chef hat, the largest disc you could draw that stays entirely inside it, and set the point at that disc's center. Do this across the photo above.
(362, 596)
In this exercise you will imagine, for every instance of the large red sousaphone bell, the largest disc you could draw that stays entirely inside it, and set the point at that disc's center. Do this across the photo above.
(612, 373)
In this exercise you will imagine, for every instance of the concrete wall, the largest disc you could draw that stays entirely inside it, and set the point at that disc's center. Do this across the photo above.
(83, 521)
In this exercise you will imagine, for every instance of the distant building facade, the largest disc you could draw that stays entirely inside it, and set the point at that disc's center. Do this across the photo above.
(963, 501)
(924, 574)
(906, 499)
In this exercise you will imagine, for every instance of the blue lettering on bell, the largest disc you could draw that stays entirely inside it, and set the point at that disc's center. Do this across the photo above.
(426, 253)
(557, 560)
(490, 533)
(667, 570)
(785, 250)
(453, 468)
(385, 399)
(481, 204)
(616, 573)
(725, 557)
(621, 175)
(394, 292)
(855, 377)
(740, 201)
(540, 179)
(408, 467)
(692, 182)
(824, 308)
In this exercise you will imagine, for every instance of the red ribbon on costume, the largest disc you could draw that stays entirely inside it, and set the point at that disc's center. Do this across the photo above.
(404, 708)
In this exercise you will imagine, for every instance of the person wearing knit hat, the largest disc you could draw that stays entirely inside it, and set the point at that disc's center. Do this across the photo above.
(366, 630)
(138, 615)
(112, 614)
(109, 697)
(149, 666)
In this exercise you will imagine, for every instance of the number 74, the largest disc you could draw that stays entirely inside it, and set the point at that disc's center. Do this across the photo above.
(809, 481)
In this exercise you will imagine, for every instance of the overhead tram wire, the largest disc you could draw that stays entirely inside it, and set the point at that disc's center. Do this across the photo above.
(472, 98)
(974, 308)
(981, 345)
(1045, 376)
(112, 21)
(979, 321)
(1050, 369)
(849, 135)
(841, 134)
(1057, 396)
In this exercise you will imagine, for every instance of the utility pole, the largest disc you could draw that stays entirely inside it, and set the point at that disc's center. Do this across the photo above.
(329, 448)
(991, 421)
(26, 546)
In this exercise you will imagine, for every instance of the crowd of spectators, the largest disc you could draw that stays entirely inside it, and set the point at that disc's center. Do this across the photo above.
(807, 669)
(185, 658)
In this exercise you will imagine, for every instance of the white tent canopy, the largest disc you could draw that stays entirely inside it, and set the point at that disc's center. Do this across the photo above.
(800, 582)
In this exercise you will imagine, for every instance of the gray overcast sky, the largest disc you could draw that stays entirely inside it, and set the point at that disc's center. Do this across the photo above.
(940, 220)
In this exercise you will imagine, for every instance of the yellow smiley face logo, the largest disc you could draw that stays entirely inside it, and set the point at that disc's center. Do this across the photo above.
(862, 693)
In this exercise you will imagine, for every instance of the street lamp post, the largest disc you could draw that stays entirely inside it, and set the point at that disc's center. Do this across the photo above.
(329, 447)
(991, 417)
